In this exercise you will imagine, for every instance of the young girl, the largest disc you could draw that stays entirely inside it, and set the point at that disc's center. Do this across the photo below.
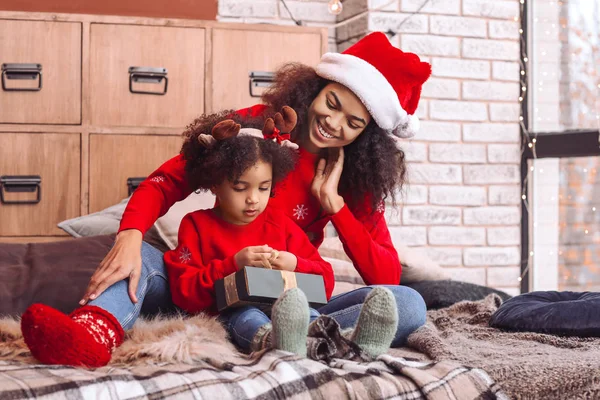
(352, 111)
(240, 231)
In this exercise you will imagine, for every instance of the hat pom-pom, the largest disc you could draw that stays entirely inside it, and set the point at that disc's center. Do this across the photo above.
(409, 129)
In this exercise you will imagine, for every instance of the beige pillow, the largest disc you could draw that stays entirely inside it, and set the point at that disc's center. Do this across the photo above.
(416, 265)
(167, 226)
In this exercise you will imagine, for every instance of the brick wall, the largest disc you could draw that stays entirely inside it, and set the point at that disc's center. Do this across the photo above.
(463, 201)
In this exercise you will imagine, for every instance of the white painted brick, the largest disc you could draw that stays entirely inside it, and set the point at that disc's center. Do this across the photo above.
(393, 216)
(504, 29)
(456, 236)
(423, 109)
(385, 21)
(490, 49)
(441, 88)
(248, 8)
(377, 4)
(489, 256)
(505, 112)
(505, 195)
(475, 276)
(444, 255)
(307, 11)
(504, 236)
(235, 20)
(431, 45)
(412, 194)
(458, 110)
(496, 215)
(511, 291)
(490, 174)
(474, 90)
(488, 133)
(458, 195)
(458, 26)
(506, 71)
(434, 173)
(270, 21)
(504, 153)
(414, 151)
(457, 153)
(433, 7)
(503, 276)
(491, 9)
(431, 215)
(458, 68)
(409, 235)
(434, 131)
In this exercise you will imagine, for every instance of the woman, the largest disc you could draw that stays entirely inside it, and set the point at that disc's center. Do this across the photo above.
(349, 110)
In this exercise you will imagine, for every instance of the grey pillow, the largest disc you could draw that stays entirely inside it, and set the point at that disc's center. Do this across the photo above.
(440, 294)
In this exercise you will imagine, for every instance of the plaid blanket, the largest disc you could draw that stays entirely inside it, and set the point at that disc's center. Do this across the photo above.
(275, 375)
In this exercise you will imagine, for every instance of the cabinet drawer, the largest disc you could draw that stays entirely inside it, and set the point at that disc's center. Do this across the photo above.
(235, 53)
(52, 52)
(141, 97)
(116, 158)
(56, 159)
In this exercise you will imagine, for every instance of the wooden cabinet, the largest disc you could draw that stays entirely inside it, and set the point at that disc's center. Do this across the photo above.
(56, 159)
(41, 72)
(127, 86)
(237, 52)
(115, 158)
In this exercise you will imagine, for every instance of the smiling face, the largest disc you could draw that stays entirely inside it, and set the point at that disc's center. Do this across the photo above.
(240, 202)
(335, 118)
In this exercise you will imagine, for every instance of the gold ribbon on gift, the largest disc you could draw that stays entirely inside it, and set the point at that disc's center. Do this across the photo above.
(289, 280)
(231, 294)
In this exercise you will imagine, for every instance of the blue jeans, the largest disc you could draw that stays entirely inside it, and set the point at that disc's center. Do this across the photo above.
(154, 296)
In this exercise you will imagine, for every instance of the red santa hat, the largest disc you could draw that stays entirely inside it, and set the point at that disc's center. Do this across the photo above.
(387, 80)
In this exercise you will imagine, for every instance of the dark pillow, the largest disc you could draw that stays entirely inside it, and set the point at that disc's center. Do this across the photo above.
(54, 273)
(440, 294)
(557, 313)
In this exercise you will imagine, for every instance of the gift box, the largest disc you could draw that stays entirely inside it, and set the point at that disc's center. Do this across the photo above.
(260, 287)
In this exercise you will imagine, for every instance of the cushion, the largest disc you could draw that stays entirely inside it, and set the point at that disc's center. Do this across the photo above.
(557, 313)
(106, 222)
(416, 265)
(440, 294)
(54, 273)
(167, 226)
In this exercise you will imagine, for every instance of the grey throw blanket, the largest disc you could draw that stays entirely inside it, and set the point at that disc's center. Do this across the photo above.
(525, 365)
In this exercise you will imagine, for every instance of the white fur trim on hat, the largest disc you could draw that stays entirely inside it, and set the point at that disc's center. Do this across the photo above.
(409, 129)
(369, 85)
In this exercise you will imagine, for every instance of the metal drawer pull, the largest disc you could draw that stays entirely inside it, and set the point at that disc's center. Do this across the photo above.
(20, 184)
(260, 79)
(21, 72)
(148, 75)
(133, 183)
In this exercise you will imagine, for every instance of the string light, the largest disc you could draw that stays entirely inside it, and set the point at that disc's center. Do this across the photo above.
(335, 7)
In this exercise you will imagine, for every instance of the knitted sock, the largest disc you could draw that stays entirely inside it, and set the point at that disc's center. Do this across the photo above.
(86, 337)
(377, 322)
(262, 338)
(290, 317)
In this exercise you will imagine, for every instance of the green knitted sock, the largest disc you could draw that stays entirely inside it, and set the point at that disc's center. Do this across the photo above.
(290, 317)
(377, 322)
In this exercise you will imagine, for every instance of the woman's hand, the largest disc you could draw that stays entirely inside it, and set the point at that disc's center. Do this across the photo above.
(254, 256)
(327, 179)
(285, 261)
(124, 260)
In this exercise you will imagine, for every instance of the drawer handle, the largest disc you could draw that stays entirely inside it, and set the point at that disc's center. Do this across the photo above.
(20, 184)
(260, 79)
(148, 75)
(133, 183)
(21, 72)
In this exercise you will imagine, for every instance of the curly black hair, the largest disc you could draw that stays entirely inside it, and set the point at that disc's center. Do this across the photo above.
(230, 158)
(373, 165)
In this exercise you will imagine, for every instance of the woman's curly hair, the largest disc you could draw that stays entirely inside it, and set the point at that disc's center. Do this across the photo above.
(228, 159)
(373, 165)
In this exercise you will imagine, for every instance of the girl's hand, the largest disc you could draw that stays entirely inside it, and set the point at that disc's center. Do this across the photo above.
(327, 179)
(254, 256)
(285, 261)
(124, 260)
